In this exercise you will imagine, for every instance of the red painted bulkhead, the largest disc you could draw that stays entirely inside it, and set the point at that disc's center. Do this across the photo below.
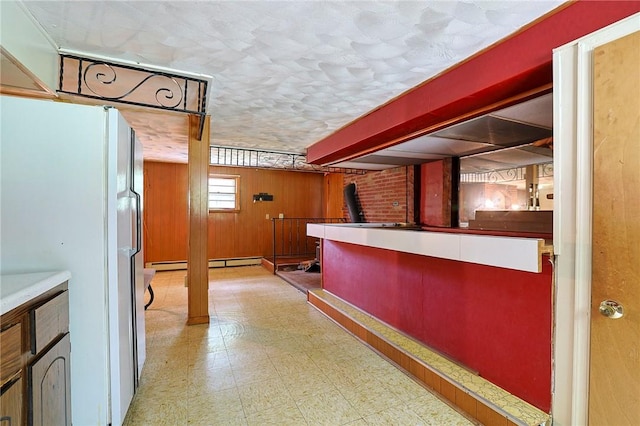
(509, 68)
(492, 320)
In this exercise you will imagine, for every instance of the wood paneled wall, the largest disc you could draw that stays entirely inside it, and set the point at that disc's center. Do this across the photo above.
(166, 214)
(239, 234)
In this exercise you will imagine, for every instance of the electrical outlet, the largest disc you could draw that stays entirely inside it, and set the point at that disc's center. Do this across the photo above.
(281, 216)
(267, 216)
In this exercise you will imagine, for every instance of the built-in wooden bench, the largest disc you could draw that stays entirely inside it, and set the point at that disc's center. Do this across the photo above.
(474, 395)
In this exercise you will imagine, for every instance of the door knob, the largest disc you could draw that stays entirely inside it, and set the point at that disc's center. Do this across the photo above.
(611, 309)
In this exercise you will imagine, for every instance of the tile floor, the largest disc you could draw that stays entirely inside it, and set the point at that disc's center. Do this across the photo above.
(267, 357)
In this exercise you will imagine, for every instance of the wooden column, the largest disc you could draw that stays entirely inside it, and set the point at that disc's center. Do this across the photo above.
(198, 260)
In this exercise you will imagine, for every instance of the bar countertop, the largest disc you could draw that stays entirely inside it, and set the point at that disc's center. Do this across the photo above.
(519, 253)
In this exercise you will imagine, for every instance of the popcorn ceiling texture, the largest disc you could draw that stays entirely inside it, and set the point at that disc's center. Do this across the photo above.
(285, 74)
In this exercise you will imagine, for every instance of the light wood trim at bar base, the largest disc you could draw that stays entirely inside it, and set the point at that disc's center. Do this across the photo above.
(198, 259)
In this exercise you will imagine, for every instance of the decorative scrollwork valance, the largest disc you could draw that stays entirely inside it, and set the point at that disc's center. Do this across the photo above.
(126, 84)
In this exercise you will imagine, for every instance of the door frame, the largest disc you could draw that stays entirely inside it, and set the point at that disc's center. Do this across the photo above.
(573, 165)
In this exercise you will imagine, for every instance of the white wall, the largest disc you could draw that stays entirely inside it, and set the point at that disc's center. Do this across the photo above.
(26, 41)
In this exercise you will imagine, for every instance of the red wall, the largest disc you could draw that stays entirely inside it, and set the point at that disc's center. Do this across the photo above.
(378, 191)
(493, 320)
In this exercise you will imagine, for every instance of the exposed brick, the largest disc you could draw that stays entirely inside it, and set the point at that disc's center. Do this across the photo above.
(377, 191)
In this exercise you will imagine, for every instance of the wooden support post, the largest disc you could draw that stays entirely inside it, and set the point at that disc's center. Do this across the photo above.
(198, 260)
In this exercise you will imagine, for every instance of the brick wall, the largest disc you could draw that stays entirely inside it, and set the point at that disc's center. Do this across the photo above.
(385, 196)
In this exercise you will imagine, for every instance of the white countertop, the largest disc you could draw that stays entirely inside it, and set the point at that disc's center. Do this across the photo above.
(16, 289)
(523, 254)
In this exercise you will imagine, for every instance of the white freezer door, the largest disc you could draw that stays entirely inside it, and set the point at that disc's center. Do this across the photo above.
(138, 260)
(121, 294)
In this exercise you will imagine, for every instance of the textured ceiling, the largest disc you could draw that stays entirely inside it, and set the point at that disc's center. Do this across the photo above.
(285, 74)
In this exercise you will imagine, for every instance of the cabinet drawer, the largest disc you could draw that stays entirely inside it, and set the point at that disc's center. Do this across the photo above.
(10, 352)
(49, 321)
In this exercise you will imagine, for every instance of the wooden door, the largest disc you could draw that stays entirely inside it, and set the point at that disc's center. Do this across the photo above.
(333, 195)
(614, 382)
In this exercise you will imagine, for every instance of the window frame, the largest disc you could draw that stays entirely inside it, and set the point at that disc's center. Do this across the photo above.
(236, 178)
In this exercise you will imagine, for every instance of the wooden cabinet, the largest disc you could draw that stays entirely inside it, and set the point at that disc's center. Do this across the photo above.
(11, 403)
(10, 374)
(35, 368)
(49, 385)
(10, 351)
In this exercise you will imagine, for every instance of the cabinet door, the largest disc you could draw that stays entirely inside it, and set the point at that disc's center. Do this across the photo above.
(11, 405)
(49, 386)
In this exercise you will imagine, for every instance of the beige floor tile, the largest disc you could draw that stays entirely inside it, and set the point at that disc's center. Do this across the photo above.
(157, 411)
(211, 407)
(162, 384)
(163, 375)
(205, 360)
(259, 396)
(434, 412)
(290, 362)
(404, 387)
(211, 380)
(283, 415)
(370, 398)
(359, 422)
(329, 408)
(242, 355)
(307, 384)
(206, 345)
(169, 352)
(255, 372)
(395, 416)
(266, 357)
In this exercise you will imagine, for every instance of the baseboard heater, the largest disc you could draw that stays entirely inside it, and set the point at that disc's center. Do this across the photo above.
(213, 263)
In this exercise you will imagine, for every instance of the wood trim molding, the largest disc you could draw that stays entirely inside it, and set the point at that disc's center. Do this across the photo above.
(198, 264)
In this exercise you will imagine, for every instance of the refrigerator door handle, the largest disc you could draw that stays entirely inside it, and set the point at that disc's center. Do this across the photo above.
(138, 246)
(138, 207)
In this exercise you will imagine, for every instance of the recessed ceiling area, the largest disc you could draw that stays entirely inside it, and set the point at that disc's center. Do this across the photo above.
(515, 126)
(16, 79)
(285, 73)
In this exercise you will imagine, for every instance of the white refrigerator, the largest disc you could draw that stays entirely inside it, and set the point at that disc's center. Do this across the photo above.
(71, 199)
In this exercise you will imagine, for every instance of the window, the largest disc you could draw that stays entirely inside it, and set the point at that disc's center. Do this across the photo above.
(224, 193)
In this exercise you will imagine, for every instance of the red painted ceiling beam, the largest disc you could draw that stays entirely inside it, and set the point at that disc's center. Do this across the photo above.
(509, 68)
